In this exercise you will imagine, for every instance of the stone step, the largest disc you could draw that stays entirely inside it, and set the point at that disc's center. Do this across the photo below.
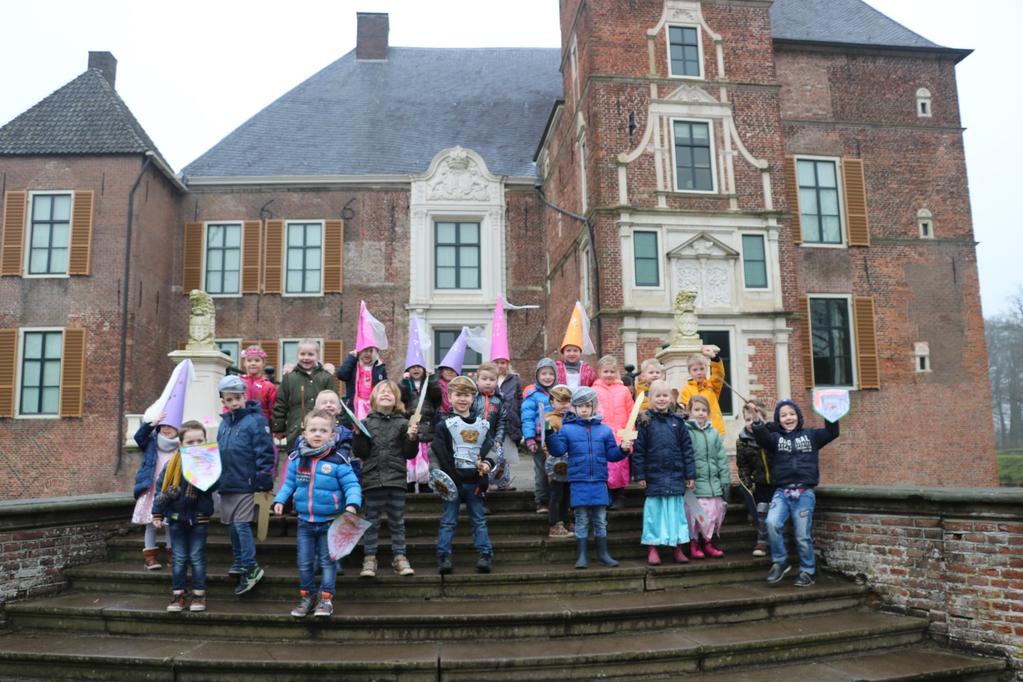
(508, 548)
(419, 620)
(859, 644)
(507, 581)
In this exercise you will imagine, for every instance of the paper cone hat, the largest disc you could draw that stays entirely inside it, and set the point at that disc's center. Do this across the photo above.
(418, 343)
(499, 333)
(578, 332)
(456, 354)
(172, 401)
(371, 332)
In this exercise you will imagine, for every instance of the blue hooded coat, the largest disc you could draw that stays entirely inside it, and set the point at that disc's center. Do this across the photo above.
(663, 454)
(246, 451)
(794, 455)
(590, 445)
(323, 486)
(533, 398)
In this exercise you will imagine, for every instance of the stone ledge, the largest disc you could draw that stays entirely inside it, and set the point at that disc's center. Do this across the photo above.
(65, 511)
(974, 503)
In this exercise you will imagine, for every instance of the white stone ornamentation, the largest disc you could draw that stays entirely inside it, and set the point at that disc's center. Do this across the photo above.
(458, 178)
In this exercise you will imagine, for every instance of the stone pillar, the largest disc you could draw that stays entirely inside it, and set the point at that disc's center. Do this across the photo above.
(684, 340)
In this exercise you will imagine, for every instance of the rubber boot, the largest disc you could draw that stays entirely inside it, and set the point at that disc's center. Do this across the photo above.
(694, 549)
(652, 557)
(582, 561)
(680, 556)
(602, 554)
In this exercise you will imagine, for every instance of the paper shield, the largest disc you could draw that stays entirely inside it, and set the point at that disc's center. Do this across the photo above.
(442, 484)
(200, 465)
(344, 534)
(831, 403)
(556, 468)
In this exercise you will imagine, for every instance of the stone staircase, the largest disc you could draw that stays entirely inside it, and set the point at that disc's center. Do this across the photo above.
(534, 618)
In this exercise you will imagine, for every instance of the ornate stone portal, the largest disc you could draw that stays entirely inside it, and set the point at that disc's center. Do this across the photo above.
(684, 339)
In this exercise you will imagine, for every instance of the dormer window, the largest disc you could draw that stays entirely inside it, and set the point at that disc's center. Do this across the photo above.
(923, 103)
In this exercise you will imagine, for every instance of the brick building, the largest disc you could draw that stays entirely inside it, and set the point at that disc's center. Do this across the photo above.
(799, 163)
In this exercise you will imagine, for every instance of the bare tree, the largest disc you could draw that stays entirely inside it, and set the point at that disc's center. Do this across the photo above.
(1005, 351)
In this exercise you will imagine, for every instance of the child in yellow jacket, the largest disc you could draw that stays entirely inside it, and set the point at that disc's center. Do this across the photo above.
(709, 388)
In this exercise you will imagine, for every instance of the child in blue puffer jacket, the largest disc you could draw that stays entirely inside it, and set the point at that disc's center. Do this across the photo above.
(590, 445)
(324, 485)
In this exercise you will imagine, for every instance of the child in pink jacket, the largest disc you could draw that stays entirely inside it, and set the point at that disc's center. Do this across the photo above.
(614, 400)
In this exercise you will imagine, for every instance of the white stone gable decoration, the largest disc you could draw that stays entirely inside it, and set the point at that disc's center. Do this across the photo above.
(691, 93)
(457, 174)
(703, 245)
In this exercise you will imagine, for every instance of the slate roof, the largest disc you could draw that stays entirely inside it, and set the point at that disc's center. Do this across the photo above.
(392, 117)
(85, 116)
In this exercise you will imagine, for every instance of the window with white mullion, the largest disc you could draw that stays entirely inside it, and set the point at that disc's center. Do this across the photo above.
(40, 372)
(819, 205)
(684, 51)
(223, 258)
(304, 258)
(50, 233)
(694, 170)
(457, 256)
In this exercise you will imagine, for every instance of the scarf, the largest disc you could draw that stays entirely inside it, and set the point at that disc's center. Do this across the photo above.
(165, 444)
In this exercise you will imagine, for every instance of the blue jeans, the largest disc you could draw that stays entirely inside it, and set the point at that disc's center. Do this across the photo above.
(595, 516)
(449, 521)
(189, 547)
(801, 511)
(243, 546)
(312, 541)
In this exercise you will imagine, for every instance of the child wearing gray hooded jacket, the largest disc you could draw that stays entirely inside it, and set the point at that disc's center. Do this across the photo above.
(536, 402)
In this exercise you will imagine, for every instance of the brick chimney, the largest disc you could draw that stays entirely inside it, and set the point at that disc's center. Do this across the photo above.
(105, 63)
(371, 37)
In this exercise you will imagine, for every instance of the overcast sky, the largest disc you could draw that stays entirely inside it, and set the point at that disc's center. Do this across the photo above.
(194, 71)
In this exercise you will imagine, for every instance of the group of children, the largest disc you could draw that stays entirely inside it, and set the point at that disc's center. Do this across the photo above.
(574, 421)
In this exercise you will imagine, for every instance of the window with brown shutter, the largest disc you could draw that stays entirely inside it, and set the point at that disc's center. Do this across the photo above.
(72, 374)
(855, 202)
(8, 370)
(80, 256)
(333, 256)
(252, 255)
(868, 367)
(13, 240)
(807, 345)
(272, 351)
(792, 197)
(333, 352)
(191, 258)
(273, 260)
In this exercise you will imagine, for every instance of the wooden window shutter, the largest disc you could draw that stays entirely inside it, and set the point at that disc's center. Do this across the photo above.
(80, 253)
(792, 197)
(192, 257)
(867, 366)
(273, 355)
(250, 342)
(333, 352)
(12, 244)
(807, 345)
(252, 255)
(333, 256)
(8, 370)
(855, 190)
(72, 374)
(274, 257)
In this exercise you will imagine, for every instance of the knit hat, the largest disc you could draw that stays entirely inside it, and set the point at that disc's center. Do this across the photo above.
(584, 395)
(231, 384)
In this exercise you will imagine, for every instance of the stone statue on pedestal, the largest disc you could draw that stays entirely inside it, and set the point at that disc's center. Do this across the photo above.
(202, 323)
(202, 401)
(685, 339)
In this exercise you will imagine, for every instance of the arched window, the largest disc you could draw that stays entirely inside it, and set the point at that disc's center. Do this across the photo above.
(923, 103)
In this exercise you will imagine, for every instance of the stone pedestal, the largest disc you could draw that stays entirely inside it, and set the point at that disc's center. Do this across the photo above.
(202, 401)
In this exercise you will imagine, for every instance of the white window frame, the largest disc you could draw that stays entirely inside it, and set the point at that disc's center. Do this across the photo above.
(767, 261)
(237, 360)
(853, 358)
(924, 219)
(437, 356)
(584, 274)
(713, 155)
(699, 47)
(284, 264)
(17, 371)
(26, 257)
(842, 222)
(573, 59)
(659, 236)
(922, 357)
(281, 360)
(924, 103)
(457, 219)
(241, 254)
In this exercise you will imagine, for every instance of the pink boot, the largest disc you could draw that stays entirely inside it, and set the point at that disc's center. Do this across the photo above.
(680, 556)
(652, 557)
(711, 550)
(694, 550)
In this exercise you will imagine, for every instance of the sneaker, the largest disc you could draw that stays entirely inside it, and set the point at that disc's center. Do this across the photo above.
(760, 549)
(543, 509)
(804, 579)
(561, 531)
(305, 605)
(235, 570)
(401, 565)
(483, 565)
(444, 566)
(778, 571)
(177, 602)
(198, 601)
(369, 567)
(249, 580)
(149, 560)
(326, 606)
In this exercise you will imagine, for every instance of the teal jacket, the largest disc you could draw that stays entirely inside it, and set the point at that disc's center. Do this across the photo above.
(712, 476)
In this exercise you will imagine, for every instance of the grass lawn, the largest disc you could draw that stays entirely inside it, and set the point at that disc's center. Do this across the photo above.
(1010, 467)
